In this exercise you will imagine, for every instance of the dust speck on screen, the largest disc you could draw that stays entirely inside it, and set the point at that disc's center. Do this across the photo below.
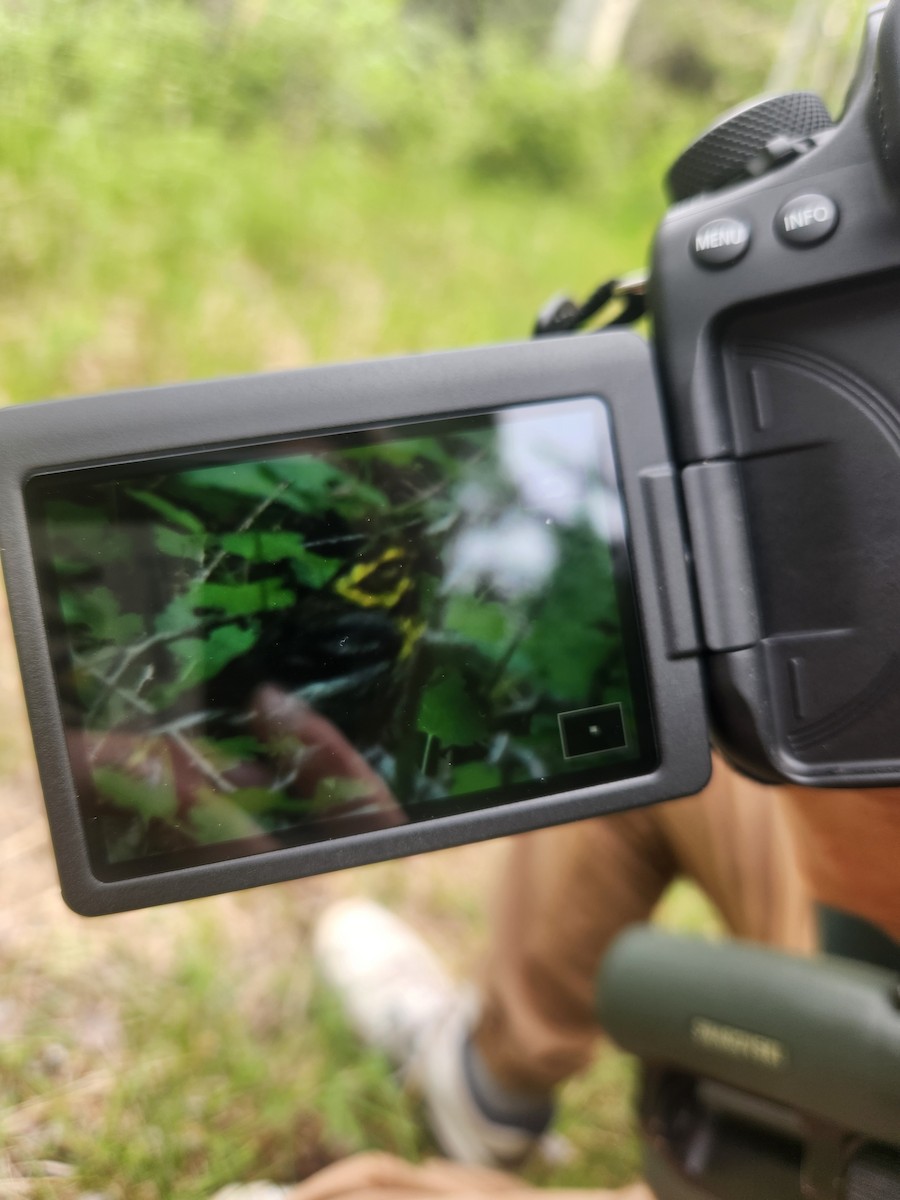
(284, 643)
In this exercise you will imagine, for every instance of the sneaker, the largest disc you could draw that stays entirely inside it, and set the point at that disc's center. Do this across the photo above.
(401, 1001)
(391, 985)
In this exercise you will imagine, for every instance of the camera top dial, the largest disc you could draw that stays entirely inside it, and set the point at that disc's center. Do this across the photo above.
(747, 142)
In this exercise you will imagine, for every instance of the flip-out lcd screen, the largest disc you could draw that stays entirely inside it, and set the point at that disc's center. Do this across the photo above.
(279, 644)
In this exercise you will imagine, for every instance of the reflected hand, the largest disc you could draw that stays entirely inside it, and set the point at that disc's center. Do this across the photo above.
(317, 757)
(175, 785)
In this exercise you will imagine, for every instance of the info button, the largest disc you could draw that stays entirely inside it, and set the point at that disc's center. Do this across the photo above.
(807, 220)
(592, 730)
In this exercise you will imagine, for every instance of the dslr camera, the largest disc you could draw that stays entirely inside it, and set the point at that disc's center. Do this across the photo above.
(285, 624)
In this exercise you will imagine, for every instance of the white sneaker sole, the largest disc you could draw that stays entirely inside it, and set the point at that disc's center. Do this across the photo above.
(391, 984)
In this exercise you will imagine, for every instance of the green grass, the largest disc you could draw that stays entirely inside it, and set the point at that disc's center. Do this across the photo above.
(222, 1069)
(165, 1054)
(205, 259)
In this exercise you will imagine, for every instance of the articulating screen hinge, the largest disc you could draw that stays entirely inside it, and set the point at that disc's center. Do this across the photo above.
(671, 565)
(723, 563)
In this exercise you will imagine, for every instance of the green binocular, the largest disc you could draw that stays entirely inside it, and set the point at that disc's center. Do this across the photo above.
(764, 1075)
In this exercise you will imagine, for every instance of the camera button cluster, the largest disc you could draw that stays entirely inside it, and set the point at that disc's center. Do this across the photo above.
(807, 220)
(721, 243)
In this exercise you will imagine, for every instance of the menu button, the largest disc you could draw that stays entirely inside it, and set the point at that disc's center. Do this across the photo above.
(721, 242)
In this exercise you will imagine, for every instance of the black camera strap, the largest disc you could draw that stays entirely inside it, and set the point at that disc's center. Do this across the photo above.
(562, 315)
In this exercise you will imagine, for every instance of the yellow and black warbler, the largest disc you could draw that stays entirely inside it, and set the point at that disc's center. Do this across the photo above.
(340, 647)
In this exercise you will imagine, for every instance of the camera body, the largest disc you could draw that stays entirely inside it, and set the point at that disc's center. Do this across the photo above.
(494, 589)
(775, 306)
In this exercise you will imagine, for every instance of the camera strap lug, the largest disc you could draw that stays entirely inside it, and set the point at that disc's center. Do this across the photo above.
(635, 283)
(561, 314)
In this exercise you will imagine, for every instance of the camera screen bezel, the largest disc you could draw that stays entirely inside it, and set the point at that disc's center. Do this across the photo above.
(164, 422)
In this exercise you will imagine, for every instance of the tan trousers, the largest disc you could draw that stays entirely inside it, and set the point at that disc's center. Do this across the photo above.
(568, 891)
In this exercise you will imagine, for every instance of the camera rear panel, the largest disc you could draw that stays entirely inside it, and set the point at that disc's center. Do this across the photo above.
(811, 391)
(775, 306)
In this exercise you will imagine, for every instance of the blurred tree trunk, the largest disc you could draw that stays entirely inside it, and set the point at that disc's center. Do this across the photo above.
(819, 47)
(802, 31)
(593, 31)
(838, 48)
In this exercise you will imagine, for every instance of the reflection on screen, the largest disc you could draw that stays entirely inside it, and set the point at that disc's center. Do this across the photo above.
(313, 638)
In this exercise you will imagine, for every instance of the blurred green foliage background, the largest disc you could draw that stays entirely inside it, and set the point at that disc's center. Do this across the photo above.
(201, 187)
